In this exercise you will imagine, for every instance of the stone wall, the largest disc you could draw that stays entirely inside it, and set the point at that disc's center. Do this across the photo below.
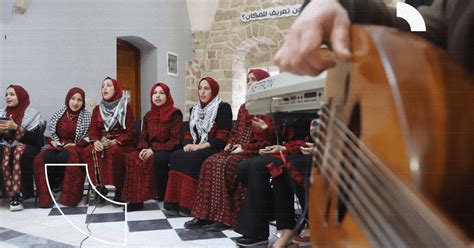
(230, 47)
(195, 68)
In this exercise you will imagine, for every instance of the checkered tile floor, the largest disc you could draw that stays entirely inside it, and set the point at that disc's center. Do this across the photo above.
(151, 218)
(151, 226)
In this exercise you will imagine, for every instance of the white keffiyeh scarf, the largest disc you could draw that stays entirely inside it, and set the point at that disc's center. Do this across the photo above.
(203, 119)
(113, 112)
(83, 122)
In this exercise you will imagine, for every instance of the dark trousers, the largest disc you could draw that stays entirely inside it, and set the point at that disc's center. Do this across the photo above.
(27, 170)
(265, 200)
(55, 173)
(161, 168)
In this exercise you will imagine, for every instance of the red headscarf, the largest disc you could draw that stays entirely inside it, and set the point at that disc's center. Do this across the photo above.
(69, 95)
(164, 111)
(117, 95)
(18, 111)
(214, 90)
(259, 74)
(117, 90)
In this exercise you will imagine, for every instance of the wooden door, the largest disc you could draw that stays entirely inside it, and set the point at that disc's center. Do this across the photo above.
(128, 73)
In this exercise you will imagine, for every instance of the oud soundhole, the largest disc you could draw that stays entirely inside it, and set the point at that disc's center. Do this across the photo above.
(355, 120)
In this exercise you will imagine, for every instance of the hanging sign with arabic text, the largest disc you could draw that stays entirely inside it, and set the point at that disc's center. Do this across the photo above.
(271, 13)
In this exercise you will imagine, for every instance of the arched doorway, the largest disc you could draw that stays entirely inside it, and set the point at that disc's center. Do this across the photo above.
(128, 73)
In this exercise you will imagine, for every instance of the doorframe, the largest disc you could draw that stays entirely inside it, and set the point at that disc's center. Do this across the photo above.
(148, 66)
(137, 85)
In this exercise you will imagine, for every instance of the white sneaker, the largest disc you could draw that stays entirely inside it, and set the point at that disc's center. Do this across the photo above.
(16, 204)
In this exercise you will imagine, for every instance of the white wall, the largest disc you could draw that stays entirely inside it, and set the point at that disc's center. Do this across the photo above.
(60, 44)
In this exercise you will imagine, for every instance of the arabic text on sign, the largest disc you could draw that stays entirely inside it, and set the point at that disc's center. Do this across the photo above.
(271, 13)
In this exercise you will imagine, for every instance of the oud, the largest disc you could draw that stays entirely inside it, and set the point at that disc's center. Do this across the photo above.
(394, 154)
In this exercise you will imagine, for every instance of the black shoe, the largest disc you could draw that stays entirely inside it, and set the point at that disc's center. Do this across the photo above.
(247, 241)
(134, 207)
(102, 190)
(197, 223)
(217, 227)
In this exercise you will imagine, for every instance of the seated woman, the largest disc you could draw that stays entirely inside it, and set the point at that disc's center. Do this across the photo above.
(148, 165)
(209, 126)
(68, 130)
(19, 128)
(219, 194)
(265, 200)
(112, 132)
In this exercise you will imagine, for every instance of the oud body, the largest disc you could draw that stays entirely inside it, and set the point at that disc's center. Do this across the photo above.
(394, 161)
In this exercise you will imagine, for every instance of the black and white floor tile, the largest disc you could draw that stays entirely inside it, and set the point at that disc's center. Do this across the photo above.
(153, 226)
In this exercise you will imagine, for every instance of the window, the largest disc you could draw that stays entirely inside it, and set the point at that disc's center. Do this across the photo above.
(172, 64)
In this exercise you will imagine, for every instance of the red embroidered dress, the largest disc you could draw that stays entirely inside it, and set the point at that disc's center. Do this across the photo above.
(66, 127)
(267, 199)
(162, 138)
(73, 182)
(13, 143)
(111, 168)
(219, 194)
(185, 166)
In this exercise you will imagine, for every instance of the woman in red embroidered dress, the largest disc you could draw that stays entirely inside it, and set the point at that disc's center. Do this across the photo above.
(19, 129)
(209, 126)
(267, 199)
(148, 165)
(112, 132)
(219, 194)
(68, 131)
